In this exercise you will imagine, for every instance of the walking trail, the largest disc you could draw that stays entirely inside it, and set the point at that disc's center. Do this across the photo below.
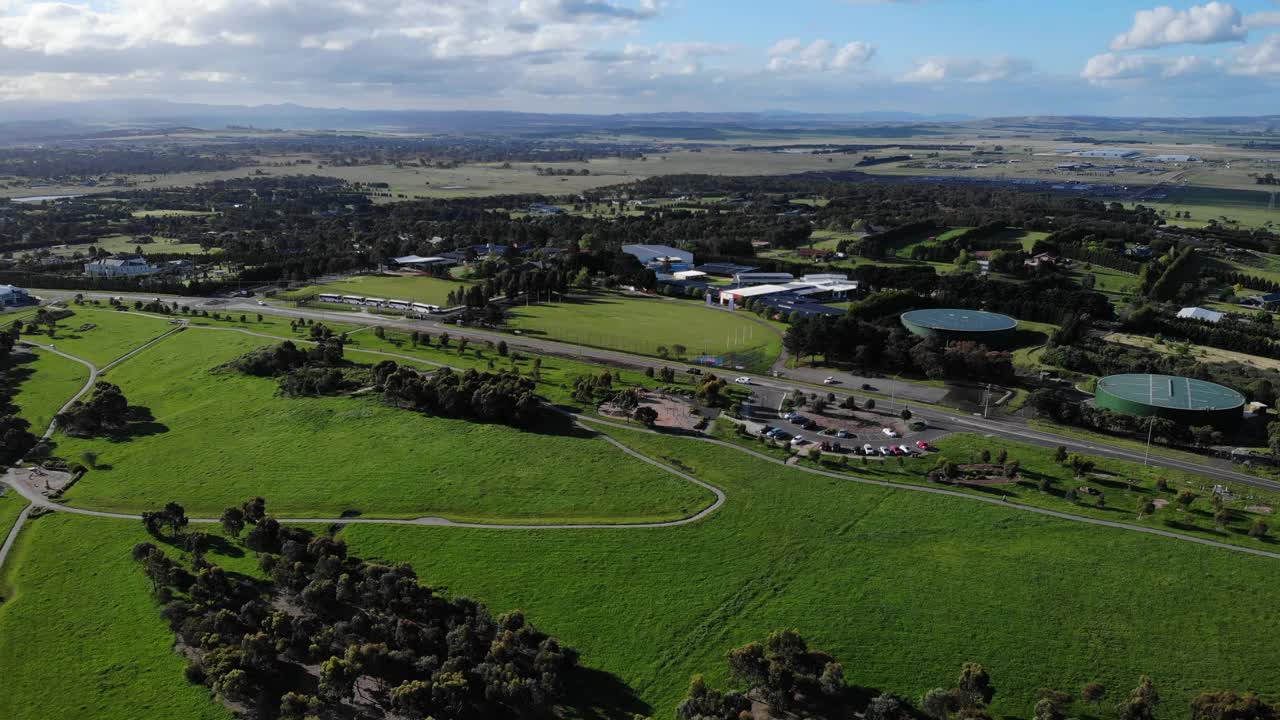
(38, 500)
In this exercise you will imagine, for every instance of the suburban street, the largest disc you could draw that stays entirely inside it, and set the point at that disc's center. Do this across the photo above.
(769, 390)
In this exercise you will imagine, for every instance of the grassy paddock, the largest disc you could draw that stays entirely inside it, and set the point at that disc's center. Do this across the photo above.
(44, 385)
(902, 587)
(641, 325)
(220, 437)
(114, 333)
(80, 635)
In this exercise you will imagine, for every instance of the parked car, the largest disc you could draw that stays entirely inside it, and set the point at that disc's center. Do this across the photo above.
(922, 445)
(842, 433)
(742, 380)
(798, 441)
(884, 450)
(782, 435)
(890, 432)
(767, 430)
(905, 450)
(868, 450)
(694, 371)
(867, 386)
(829, 380)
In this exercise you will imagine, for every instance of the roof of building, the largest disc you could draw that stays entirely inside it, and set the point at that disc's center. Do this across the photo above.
(417, 260)
(1199, 313)
(11, 289)
(757, 290)
(960, 319)
(646, 253)
(725, 269)
(1167, 391)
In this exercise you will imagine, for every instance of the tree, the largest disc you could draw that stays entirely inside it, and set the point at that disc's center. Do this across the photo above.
(905, 414)
(90, 459)
(502, 348)
(1142, 701)
(233, 521)
(1227, 705)
(975, 686)
(337, 679)
(1145, 507)
(1047, 709)
(1060, 455)
(1258, 529)
(870, 404)
(939, 704)
(379, 332)
(646, 415)
(1222, 518)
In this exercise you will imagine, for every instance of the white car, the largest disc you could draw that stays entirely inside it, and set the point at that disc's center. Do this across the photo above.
(830, 381)
(867, 449)
(884, 450)
(798, 441)
(743, 380)
(890, 432)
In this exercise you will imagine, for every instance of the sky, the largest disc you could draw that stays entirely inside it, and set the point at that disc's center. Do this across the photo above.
(976, 57)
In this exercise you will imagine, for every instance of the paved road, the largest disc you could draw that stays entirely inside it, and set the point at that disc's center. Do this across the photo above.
(1012, 428)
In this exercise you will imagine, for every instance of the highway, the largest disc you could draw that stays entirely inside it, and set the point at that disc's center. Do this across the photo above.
(938, 419)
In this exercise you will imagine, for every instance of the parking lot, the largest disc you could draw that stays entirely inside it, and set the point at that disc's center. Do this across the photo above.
(765, 411)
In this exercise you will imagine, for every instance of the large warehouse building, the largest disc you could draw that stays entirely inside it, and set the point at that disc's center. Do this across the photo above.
(1184, 400)
(990, 329)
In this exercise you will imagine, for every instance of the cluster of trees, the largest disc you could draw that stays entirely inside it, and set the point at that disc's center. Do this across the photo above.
(869, 346)
(331, 635)
(15, 435)
(1063, 407)
(1169, 282)
(58, 162)
(793, 680)
(318, 370)
(505, 397)
(106, 411)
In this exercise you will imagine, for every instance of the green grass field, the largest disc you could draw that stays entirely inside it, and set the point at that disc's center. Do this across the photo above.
(641, 325)
(221, 437)
(114, 333)
(80, 635)
(45, 384)
(901, 587)
(128, 243)
(11, 504)
(1246, 208)
(432, 291)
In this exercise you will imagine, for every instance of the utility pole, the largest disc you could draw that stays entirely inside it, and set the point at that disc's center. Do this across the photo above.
(986, 400)
(1151, 426)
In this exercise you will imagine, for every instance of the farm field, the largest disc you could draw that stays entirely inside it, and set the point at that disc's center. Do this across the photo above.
(45, 383)
(80, 635)
(432, 291)
(642, 325)
(225, 436)
(838, 562)
(1247, 207)
(1116, 285)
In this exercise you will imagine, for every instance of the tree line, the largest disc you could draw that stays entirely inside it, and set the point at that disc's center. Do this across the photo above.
(327, 634)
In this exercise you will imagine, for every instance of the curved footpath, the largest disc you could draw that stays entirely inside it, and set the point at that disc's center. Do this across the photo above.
(37, 500)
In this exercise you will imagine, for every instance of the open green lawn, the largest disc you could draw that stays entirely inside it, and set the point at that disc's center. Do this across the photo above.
(44, 385)
(218, 438)
(641, 325)
(128, 243)
(1248, 208)
(80, 636)
(1116, 285)
(11, 504)
(902, 587)
(432, 291)
(114, 333)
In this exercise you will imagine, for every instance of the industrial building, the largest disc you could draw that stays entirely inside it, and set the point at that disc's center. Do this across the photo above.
(1184, 400)
(660, 257)
(990, 329)
(809, 288)
(11, 295)
(1199, 313)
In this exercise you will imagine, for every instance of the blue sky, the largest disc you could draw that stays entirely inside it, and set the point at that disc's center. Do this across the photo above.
(977, 57)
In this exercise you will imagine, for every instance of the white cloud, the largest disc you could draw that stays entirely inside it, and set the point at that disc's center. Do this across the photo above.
(963, 69)
(793, 55)
(1258, 60)
(1266, 18)
(1109, 68)
(1215, 22)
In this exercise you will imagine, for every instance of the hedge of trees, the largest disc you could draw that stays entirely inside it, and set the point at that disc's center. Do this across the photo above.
(15, 435)
(331, 635)
(505, 397)
(791, 679)
(1244, 337)
(869, 346)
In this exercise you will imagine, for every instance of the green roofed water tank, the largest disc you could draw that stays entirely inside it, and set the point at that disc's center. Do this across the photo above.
(1184, 400)
(990, 329)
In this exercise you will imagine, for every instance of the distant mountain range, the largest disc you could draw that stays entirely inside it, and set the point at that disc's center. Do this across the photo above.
(49, 121)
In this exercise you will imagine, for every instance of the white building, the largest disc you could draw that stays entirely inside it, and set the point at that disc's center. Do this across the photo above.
(120, 267)
(762, 278)
(11, 295)
(655, 256)
(1198, 313)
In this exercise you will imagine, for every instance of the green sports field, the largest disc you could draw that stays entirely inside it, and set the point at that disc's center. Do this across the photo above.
(432, 291)
(220, 437)
(642, 325)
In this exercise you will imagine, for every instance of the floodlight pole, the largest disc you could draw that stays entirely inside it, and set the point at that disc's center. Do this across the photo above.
(1151, 426)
